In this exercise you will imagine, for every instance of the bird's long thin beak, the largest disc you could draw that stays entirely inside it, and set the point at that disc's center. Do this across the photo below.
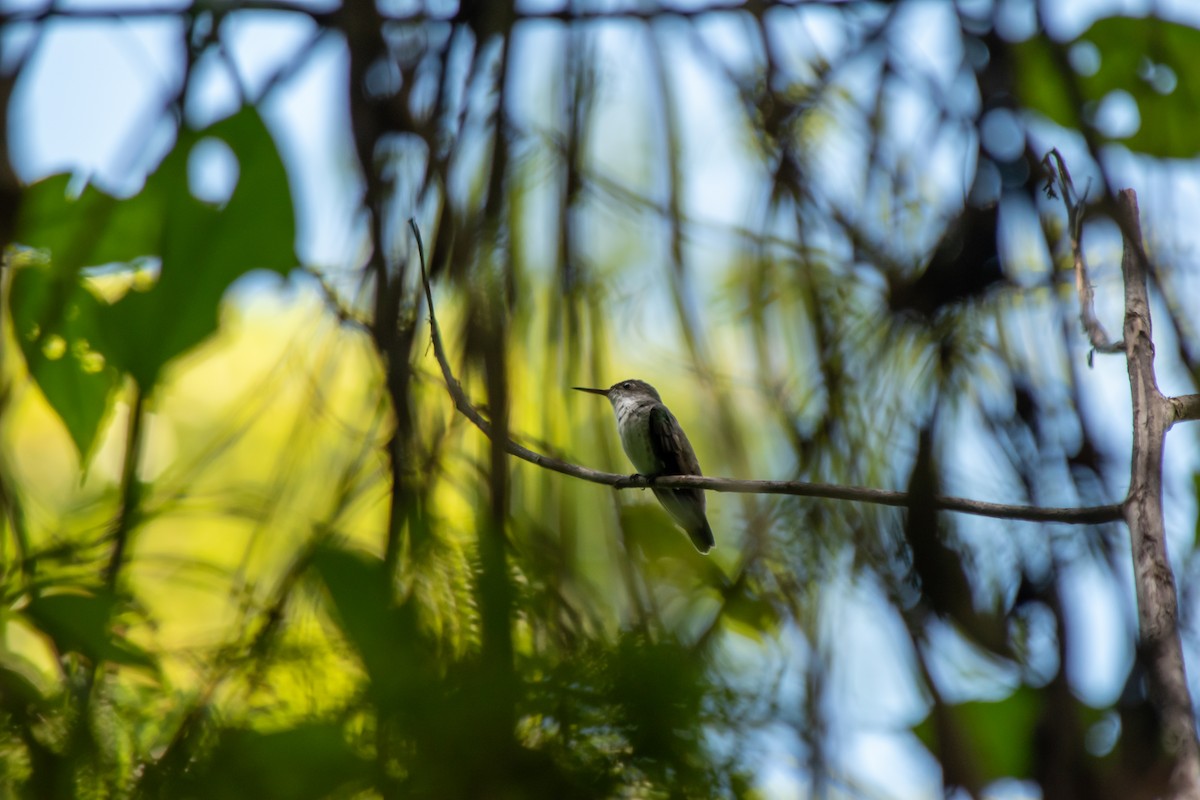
(591, 391)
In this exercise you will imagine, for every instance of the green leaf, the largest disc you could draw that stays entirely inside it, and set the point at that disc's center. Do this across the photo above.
(56, 325)
(1155, 61)
(998, 734)
(307, 761)
(80, 622)
(204, 249)
(1151, 59)
(75, 344)
(1039, 83)
(91, 229)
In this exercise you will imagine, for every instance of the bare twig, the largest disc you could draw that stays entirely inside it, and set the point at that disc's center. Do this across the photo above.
(1089, 515)
(1075, 208)
(336, 303)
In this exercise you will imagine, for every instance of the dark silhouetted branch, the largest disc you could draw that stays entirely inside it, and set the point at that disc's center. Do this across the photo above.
(130, 488)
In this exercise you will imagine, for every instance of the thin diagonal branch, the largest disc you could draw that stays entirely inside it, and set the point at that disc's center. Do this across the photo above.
(1074, 204)
(1088, 515)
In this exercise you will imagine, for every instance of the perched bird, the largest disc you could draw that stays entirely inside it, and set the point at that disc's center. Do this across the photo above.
(657, 445)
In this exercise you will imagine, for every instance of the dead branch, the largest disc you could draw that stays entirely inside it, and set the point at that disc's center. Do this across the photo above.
(1157, 600)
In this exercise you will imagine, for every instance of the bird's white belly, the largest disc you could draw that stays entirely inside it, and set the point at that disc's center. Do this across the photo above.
(633, 424)
(637, 447)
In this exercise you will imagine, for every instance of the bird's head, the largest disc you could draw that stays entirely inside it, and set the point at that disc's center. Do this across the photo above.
(631, 389)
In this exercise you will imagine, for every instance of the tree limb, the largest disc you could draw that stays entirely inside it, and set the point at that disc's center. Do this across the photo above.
(1088, 515)
(1157, 600)
(1186, 407)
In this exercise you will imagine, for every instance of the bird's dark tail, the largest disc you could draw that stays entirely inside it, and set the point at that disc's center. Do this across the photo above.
(686, 507)
(702, 536)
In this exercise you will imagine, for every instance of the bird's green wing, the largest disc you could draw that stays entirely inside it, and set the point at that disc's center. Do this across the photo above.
(670, 444)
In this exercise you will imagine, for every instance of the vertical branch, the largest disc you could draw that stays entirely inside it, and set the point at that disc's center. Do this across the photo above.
(492, 293)
(371, 120)
(130, 488)
(371, 117)
(393, 329)
(489, 332)
(1158, 607)
(495, 593)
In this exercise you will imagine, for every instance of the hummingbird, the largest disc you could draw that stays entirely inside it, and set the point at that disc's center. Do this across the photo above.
(657, 445)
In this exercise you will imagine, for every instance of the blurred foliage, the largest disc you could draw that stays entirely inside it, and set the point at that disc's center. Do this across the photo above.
(251, 549)
(1149, 60)
(199, 249)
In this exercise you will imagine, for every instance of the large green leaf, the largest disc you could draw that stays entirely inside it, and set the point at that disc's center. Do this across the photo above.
(56, 324)
(88, 230)
(56, 318)
(74, 343)
(1151, 59)
(204, 249)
